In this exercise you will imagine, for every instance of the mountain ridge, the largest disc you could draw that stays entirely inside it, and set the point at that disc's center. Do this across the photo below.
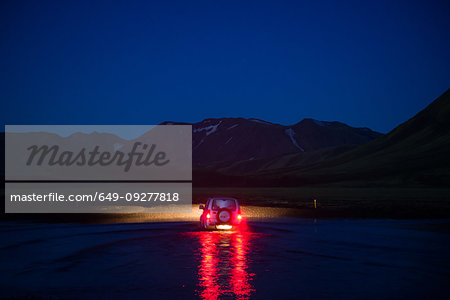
(415, 152)
(230, 140)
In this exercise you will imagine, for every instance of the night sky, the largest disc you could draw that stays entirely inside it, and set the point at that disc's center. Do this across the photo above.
(365, 63)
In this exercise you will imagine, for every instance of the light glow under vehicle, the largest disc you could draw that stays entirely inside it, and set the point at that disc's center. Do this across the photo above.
(239, 217)
(225, 227)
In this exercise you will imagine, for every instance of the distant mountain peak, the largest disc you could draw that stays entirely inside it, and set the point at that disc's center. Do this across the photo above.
(239, 139)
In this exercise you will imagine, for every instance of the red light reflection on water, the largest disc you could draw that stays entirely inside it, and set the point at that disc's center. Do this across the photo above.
(240, 280)
(223, 265)
(208, 272)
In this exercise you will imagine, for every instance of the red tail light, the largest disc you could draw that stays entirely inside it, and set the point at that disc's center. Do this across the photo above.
(208, 216)
(239, 217)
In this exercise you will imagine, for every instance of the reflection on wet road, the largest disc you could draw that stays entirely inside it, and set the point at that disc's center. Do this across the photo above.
(223, 264)
(272, 260)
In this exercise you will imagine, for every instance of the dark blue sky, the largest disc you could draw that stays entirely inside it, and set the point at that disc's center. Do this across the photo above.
(365, 63)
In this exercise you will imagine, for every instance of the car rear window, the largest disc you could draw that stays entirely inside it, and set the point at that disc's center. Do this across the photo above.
(224, 203)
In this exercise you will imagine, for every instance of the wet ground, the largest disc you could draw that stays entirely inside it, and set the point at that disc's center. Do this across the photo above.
(281, 259)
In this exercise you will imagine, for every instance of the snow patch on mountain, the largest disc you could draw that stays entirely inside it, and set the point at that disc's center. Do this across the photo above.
(320, 123)
(209, 129)
(201, 142)
(290, 132)
(231, 127)
(229, 140)
(260, 121)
